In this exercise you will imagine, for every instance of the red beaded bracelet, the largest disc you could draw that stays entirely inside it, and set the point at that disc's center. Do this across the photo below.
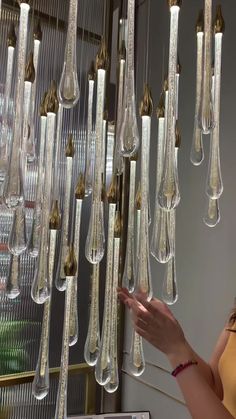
(182, 367)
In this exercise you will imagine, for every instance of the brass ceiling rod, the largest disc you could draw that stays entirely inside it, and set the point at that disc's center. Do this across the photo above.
(88, 36)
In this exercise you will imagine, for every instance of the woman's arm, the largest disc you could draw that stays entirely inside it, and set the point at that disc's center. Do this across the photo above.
(155, 322)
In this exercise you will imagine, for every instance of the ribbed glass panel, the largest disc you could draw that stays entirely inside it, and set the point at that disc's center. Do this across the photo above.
(17, 402)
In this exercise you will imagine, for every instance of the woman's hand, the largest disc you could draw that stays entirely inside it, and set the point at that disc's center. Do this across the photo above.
(154, 322)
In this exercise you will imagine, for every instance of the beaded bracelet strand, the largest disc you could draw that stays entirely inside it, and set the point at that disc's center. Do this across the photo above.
(182, 367)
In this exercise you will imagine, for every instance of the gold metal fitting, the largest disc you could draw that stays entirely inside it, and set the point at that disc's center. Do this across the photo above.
(70, 266)
(112, 191)
(55, 218)
(172, 3)
(29, 69)
(92, 72)
(102, 58)
(117, 230)
(38, 31)
(23, 1)
(51, 101)
(134, 156)
(80, 187)
(177, 135)
(138, 198)
(146, 105)
(200, 22)
(42, 105)
(122, 52)
(166, 84)
(70, 148)
(219, 23)
(161, 107)
(11, 39)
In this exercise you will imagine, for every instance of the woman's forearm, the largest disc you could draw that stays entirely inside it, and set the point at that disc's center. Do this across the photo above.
(198, 388)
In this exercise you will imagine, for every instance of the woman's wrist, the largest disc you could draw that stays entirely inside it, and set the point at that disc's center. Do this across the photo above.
(181, 354)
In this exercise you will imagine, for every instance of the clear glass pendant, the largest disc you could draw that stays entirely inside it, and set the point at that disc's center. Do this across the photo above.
(69, 91)
(212, 212)
(12, 284)
(136, 356)
(17, 242)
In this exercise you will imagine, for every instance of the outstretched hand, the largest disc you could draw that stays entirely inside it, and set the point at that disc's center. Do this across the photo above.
(154, 322)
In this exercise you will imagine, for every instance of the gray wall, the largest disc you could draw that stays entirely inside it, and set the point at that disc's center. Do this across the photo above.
(206, 266)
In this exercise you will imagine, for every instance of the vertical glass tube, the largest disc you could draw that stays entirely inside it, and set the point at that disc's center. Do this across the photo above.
(40, 386)
(160, 243)
(35, 236)
(169, 289)
(89, 163)
(13, 188)
(214, 185)
(129, 136)
(212, 212)
(92, 344)
(197, 152)
(17, 241)
(138, 217)
(5, 138)
(60, 278)
(207, 121)
(40, 290)
(70, 272)
(94, 250)
(56, 181)
(113, 383)
(37, 45)
(74, 324)
(118, 159)
(128, 280)
(169, 196)
(12, 285)
(27, 148)
(69, 91)
(144, 282)
(136, 357)
(103, 365)
(104, 144)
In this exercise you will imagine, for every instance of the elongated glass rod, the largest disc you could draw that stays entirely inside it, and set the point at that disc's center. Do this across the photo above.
(70, 272)
(169, 196)
(13, 283)
(206, 117)
(79, 196)
(35, 235)
(138, 199)
(13, 188)
(103, 365)
(94, 249)
(36, 53)
(197, 152)
(129, 135)
(144, 281)
(212, 213)
(118, 159)
(160, 243)
(5, 137)
(17, 240)
(169, 288)
(113, 383)
(177, 78)
(40, 386)
(28, 147)
(214, 184)
(69, 91)
(89, 161)
(60, 277)
(40, 290)
(104, 145)
(56, 174)
(136, 355)
(92, 343)
(129, 275)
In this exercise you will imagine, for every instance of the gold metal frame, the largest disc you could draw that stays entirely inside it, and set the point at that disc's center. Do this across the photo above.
(90, 387)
